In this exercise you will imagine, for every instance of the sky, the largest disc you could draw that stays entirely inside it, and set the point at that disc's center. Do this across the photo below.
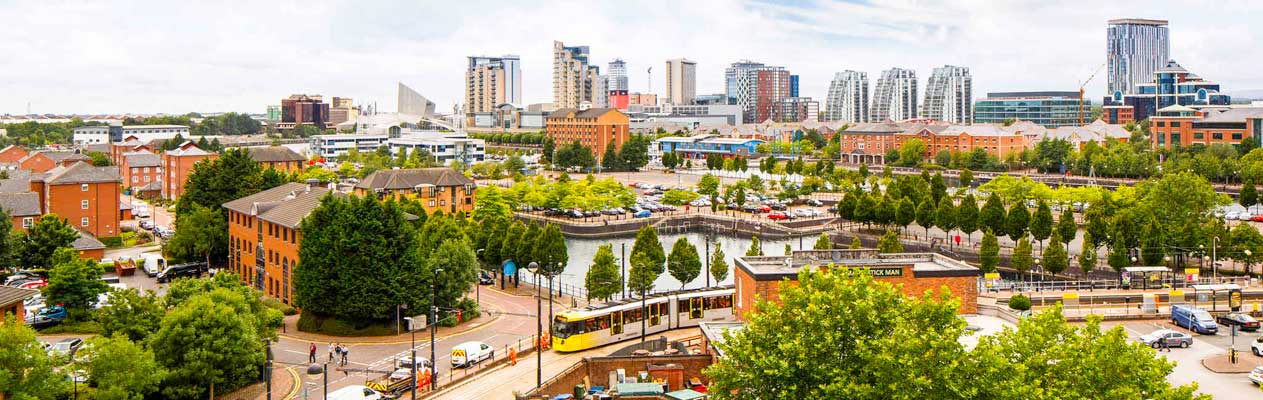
(176, 57)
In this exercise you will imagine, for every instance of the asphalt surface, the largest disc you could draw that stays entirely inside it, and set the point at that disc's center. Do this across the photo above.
(1189, 368)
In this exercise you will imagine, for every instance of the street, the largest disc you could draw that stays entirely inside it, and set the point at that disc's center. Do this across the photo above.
(1189, 368)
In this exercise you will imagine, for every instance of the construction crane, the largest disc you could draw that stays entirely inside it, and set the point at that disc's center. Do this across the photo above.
(1083, 85)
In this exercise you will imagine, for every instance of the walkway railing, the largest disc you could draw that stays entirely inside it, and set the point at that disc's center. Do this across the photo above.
(1089, 285)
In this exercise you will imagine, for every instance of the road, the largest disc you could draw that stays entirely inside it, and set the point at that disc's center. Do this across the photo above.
(1189, 368)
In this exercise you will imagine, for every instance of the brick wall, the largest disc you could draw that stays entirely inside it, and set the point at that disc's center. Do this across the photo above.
(964, 288)
(597, 370)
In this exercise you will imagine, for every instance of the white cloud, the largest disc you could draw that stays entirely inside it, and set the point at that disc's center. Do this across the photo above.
(148, 56)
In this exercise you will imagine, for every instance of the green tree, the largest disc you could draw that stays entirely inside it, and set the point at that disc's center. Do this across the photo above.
(610, 160)
(1066, 225)
(1022, 259)
(856, 244)
(966, 178)
(755, 249)
(122, 369)
(1153, 241)
(1017, 221)
(74, 283)
(1041, 223)
(130, 313)
(550, 252)
(718, 264)
(708, 185)
(349, 247)
(647, 242)
(48, 234)
(992, 216)
(1249, 194)
(1117, 258)
(926, 215)
(514, 236)
(1087, 255)
(938, 188)
(777, 355)
(684, 264)
(214, 182)
(989, 253)
(210, 344)
(635, 152)
(604, 278)
(905, 213)
(1096, 224)
(642, 273)
(8, 243)
(967, 215)
(823, 242)
(911, 153)
(271, 177)
(198, 233)
(548, 148)
(889, 243)
(945, 217)
(1056, 258)
(26, 370)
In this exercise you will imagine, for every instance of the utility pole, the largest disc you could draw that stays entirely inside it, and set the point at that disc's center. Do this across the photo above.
(434, 319)
(622, 262)
(539, 328)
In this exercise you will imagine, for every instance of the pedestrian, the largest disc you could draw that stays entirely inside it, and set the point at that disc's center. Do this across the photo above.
(312, 353)
(331, 348)
(1163, 345)
(346, 355)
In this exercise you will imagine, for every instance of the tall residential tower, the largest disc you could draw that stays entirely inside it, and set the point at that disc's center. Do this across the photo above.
(492, 81)
(573, 78)
(681, 76)
(949, 95)
(1135, 48)
(895, 97)
(848, 98)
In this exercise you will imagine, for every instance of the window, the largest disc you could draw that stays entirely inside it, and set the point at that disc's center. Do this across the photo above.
(83, 221)
(27, 222)
(1217, 135)
(431, 203)
(83, 187)
(1236, 136)
(147, 178)
(83, 204)
(1174, 124)
(1162, 123)
(135, 179)
(1198, 135)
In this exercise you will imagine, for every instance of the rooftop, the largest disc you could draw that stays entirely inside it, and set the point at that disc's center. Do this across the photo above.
(714, 333)
(25, 204)
(59, 156)
(11, 295)
(142, 159)
(285, 205)
(923, 264)
(79, 172)
(274, 154)
(589, 113)
(396, 179)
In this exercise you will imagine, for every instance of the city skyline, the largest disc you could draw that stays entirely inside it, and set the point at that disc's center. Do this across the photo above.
(184, 61)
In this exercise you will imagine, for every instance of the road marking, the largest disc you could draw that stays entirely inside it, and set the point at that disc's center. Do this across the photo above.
(298, 382)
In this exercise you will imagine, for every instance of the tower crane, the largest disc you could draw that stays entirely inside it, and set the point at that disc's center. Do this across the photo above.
(1083, 85)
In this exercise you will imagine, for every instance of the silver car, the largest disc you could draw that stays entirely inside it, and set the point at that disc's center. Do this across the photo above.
(1170, 337)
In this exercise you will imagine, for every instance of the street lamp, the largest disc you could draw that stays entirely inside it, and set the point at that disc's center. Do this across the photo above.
(434, 319)
(320, 369)
(413, 361)
(539, 327)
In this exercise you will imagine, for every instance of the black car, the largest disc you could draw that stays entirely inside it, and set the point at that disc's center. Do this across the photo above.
(778, 206)
(187, 270)
(1243, 321)
(485, 278)
(38, 322)
(814, 203)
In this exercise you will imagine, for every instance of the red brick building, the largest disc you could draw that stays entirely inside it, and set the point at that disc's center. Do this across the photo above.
(280, 158)
(1185, 126)
(23, 208)
(140, 168)
(11, 302)
(442, 188)
(43, 161)
(12, 154)
(177, 165)
(86, 196)
(761, 277)
(263, 236)
(594, 128)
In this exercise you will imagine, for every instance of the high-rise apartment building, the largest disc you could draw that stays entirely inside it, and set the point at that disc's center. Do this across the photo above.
(739, 84)
(848, 98)
(1135, 48)
(600, 92)
(895, 97)
(757, 88)
(793, 86)
(681, 76)
(949, 95)
(492, 81)
(573, 79)
(798, 109)
(617, 75)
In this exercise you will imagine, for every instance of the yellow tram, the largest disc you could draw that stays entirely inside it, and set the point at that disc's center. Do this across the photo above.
(594, 326)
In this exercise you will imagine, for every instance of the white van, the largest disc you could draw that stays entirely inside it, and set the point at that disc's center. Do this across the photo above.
(354, 392)
(153, 263)
(470, 353)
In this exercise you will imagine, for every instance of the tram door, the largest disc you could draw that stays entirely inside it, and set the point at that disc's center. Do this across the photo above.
(695, 308)
(616, 326)
(654, 312)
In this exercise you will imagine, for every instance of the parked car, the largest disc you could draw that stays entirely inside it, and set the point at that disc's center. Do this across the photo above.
(189, 270)
(1172, 338)
(750, 208)
(65, 348)
(354, 392)
(763, 209)
(21, 275)
(1243, 321)
(777, 215)
(1193, 318)
(1257, 346)
(778, 206)
(814, 202)
(1245, 216)
(146, 225)
(1256, 375)
(642, 214)
(46, 317)
(485, 278)
(1257, 218)
(152, 263)
(469, 353)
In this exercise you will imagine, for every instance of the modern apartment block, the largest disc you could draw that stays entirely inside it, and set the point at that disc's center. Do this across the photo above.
(593, 128)
(264, 234)
(600, 92)
(1135, 48)
(178, 164)
(798, 109)
(1170, 85)
(681, 80)
(895, 97)
(438, 189)
(103, 134)
(949, 95)
(573, 78)
(617, 75)
(492, 81)
(847, 100)
(1050, 109)
(412, 103)
(301, 109)
(740, 83)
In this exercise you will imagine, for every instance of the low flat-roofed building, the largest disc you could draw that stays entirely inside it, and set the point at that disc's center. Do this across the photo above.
(762, 276)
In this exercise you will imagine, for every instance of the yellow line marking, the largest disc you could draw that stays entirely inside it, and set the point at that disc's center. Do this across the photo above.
(298, 382)
(474, 329)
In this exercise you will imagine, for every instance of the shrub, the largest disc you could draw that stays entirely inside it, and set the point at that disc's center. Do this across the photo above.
(1020, 302)
(112, 241)
(106, 268)
(81, 327)
(275, 304)
(308, 322)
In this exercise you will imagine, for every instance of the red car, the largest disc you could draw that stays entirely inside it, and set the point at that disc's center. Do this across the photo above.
(1257, 218)
(764, 209)
(777, 215)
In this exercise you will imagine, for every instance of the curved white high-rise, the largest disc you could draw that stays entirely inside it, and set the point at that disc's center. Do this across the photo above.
(949, 95)
(847, 100)
(895, 97)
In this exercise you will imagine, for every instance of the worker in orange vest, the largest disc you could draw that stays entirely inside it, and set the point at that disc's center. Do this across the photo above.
(512, 356)
(423, 381)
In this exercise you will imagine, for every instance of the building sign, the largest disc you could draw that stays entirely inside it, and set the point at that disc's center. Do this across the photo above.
(886, 272)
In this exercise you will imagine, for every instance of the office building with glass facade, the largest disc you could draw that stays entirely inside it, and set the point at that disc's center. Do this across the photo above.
(1050, 109)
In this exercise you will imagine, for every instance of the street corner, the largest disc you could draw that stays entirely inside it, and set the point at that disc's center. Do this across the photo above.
(1221, 363)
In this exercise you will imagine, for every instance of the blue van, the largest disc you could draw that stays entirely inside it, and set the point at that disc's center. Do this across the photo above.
(1193, 318)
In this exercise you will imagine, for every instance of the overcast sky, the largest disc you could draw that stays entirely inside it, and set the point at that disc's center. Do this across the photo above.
(176, 57)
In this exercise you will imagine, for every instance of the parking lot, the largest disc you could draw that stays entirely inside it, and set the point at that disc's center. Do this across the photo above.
(1189, 367)
(651, 201)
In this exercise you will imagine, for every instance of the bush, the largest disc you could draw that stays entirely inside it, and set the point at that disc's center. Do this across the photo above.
(106, 268)
(112, 241)
(308, 322)
(1020, 302)
(275, 304)
(81, 327)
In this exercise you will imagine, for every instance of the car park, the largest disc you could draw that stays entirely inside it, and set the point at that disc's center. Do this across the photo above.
(1243, 321)
(65, 348)
(1172, 338)
(187, 270)
(470, 353)
(1194, 319)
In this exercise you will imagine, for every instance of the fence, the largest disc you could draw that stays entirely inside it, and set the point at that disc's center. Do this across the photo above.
(1114, 284)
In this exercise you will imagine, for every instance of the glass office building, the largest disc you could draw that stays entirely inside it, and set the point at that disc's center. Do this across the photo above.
(1050, 109)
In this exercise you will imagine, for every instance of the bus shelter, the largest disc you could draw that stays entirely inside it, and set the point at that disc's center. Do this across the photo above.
(1233, 295)
(1145, 274)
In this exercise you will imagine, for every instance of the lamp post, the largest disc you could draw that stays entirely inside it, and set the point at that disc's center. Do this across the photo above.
(1214, 267)
(1033, 271)
(539, 327)
(413, 333)
(434, 319)
(478, 285)
(320, 369)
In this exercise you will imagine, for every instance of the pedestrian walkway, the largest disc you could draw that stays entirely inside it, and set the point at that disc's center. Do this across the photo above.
(290, 331)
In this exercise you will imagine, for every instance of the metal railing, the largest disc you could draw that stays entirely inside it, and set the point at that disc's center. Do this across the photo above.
(1105, 284)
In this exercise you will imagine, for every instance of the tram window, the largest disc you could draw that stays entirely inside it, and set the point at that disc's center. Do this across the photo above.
(563, 329)
(632, 315)
(596, 324)
(714, 303)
